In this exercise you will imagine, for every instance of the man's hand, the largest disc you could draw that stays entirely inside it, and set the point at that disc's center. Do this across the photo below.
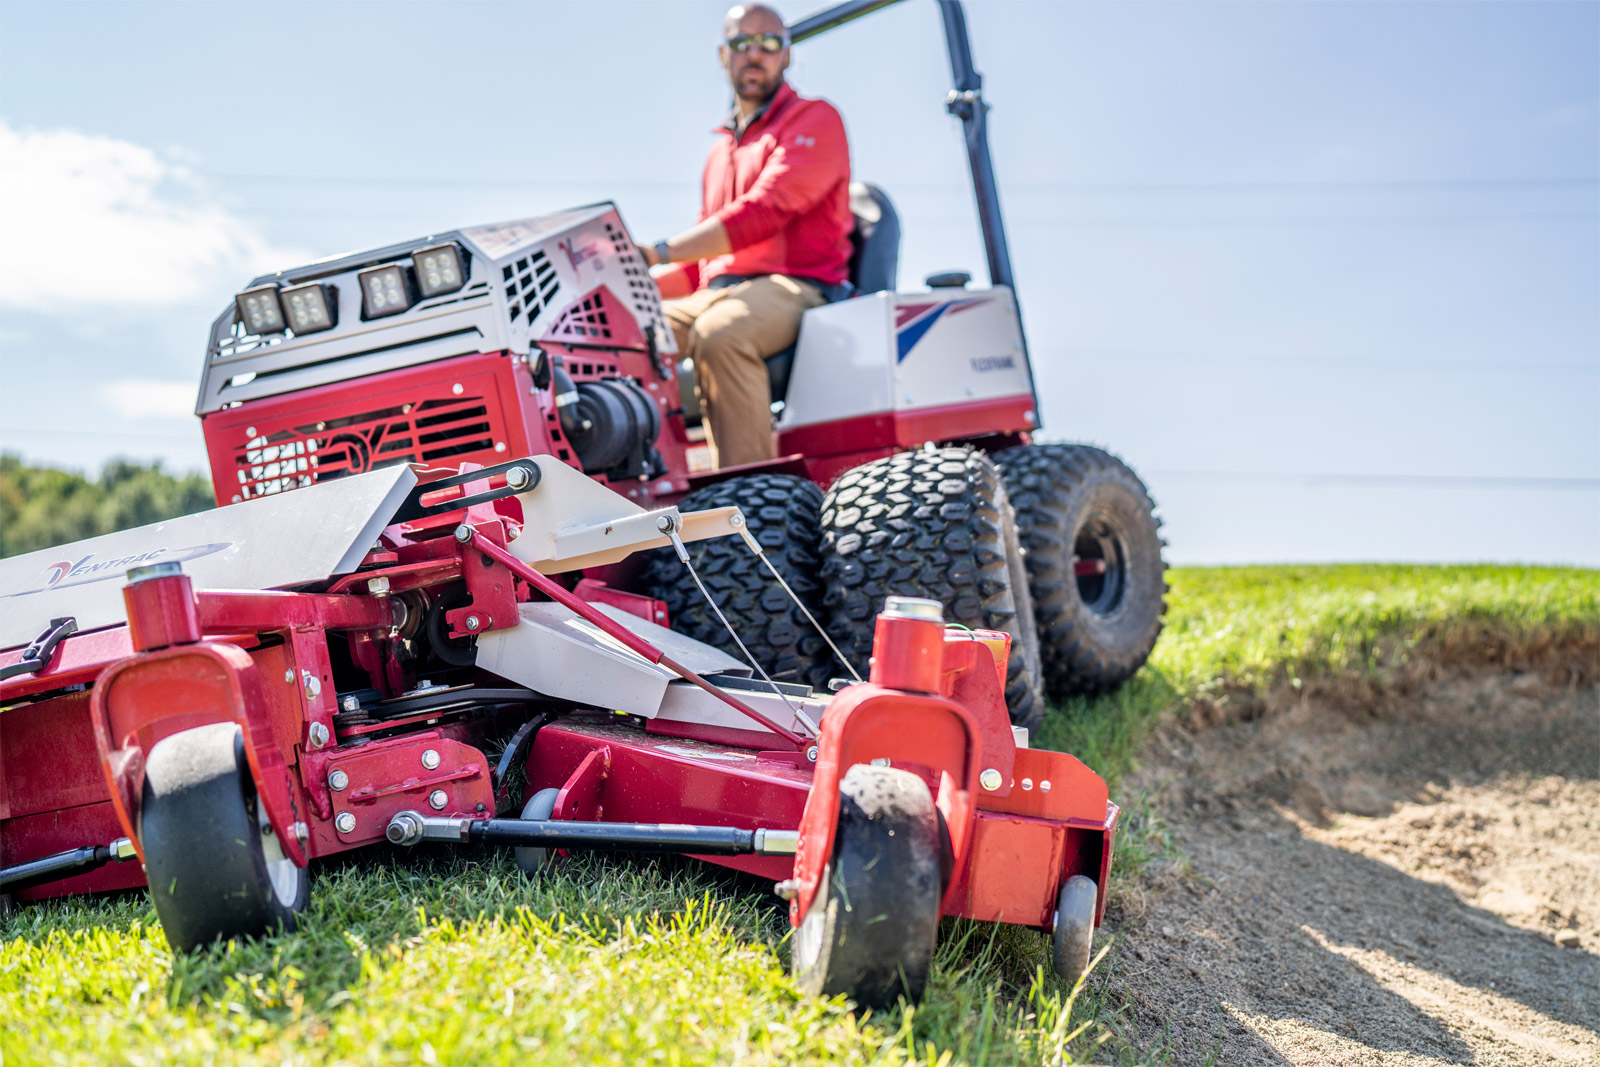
(672, 280)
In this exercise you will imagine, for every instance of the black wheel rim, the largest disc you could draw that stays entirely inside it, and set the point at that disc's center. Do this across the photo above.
(1100, 558)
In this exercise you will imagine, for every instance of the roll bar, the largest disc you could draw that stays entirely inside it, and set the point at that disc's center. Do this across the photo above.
(965, 101)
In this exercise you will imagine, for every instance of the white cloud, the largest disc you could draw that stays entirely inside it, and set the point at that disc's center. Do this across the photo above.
(146, 398)
(94, 220)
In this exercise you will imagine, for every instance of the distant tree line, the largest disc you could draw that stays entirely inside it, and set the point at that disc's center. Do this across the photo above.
(41, 506)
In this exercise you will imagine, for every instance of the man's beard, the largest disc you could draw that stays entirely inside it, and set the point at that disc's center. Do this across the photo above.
(759, 92)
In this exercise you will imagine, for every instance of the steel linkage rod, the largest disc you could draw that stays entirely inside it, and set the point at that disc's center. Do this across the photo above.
(615, 630)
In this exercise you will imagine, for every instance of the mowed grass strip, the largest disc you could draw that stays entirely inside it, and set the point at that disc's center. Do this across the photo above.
(440, 957)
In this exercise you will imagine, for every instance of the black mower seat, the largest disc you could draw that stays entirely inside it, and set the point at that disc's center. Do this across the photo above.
(874, 264)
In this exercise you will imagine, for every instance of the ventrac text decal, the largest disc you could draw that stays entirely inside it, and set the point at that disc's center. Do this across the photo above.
(66, 574)
(984, 364)
(913, 321)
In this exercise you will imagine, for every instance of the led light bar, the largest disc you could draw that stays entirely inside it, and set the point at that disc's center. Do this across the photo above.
(259, 309)
(440, 269)
(310, 308)
(384, 291)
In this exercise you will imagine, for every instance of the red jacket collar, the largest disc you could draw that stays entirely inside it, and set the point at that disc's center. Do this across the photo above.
(769, 111)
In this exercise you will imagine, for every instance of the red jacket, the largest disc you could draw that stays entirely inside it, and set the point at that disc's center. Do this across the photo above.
(782, 191)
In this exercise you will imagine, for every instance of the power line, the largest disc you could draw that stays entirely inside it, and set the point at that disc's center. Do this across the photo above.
(377, 181)
(1395, 481)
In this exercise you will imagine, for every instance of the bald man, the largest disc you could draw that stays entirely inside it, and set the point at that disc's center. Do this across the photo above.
(773, 238)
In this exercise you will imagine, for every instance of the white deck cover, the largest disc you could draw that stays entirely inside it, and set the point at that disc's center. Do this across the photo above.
(273, 542)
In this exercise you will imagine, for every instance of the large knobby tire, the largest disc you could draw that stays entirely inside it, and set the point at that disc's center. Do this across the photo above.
(871, 929)
(934, 523)
(215, 868)
(783, 512)
(1075, 502)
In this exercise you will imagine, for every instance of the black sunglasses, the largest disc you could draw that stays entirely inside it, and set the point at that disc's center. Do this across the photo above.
(767, 42)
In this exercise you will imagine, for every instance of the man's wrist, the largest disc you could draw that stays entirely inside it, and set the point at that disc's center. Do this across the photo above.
(663, 253)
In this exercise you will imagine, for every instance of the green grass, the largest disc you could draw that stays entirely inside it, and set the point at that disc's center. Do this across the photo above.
(438, 957)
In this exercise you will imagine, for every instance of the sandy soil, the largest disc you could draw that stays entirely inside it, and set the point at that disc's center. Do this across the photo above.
(1377, 878)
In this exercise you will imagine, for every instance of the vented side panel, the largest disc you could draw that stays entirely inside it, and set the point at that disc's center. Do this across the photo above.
(437, 415)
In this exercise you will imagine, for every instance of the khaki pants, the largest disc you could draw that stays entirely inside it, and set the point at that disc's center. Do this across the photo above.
(729, 333)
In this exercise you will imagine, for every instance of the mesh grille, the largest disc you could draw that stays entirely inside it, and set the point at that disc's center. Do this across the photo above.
(642, 291)
(290, 457)
(530, 285)
(584, 321)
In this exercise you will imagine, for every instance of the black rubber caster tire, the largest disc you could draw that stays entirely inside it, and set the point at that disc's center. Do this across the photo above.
(1072, 502)
(871, 930)
(783, 512)
(215, 868)
(1072, 939)
(541, 806)
(933, 523)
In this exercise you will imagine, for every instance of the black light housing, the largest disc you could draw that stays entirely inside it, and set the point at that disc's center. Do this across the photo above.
(310, 308)
(385, 291)
(440, 269)
(260, 310)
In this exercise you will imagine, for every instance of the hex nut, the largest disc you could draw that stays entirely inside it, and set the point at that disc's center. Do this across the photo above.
(473, 623)
(430, 759)
(437, 800)
(344, 822)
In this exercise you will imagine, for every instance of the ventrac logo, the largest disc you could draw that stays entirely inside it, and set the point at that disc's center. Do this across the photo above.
(65, 574)
(578, 254)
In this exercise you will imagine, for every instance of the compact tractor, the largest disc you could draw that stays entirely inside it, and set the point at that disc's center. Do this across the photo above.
(472, 581)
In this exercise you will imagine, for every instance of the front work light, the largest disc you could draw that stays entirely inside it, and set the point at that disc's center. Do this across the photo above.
(259, 309)
(439, 269)
(384, 291)
(310, 308)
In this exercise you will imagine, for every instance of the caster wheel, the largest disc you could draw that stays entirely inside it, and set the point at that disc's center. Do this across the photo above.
(871, 928)
(540, 806)
(215, 867)
(1073, 936)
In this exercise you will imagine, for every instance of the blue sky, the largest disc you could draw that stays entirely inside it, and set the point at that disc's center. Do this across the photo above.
(1326, 274)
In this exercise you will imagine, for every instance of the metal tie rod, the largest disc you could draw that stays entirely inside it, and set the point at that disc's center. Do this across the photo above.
(410, 828)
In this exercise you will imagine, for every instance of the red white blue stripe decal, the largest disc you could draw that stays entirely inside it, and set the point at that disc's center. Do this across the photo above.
(912, 321)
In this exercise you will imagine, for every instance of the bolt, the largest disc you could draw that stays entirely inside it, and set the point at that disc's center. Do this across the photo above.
(990, 779)
(249, 431)
(317, 734)
(665, 524)
(313, 685)
(736, 520)
(518, 478)
(473, 623)
(349, 703)
(788, 889)
(456, 389)
(344, 822)
(437, 800)
(499, 446)
(811, 753)
(881, 761)
(338, 780)
(430, 759)
(302, 832)
(288, 676)
(1027, 783)
(378, 586)
(463, 533)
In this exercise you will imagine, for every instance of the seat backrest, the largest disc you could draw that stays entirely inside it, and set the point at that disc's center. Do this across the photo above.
(875, 242)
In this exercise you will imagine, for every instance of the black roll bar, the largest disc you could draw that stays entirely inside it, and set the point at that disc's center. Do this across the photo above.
(966, 103)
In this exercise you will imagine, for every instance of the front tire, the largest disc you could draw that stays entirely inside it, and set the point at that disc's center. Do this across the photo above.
(933, 523)
(783, 513)
(871, 929)
(1078, 504)
(215, 867)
